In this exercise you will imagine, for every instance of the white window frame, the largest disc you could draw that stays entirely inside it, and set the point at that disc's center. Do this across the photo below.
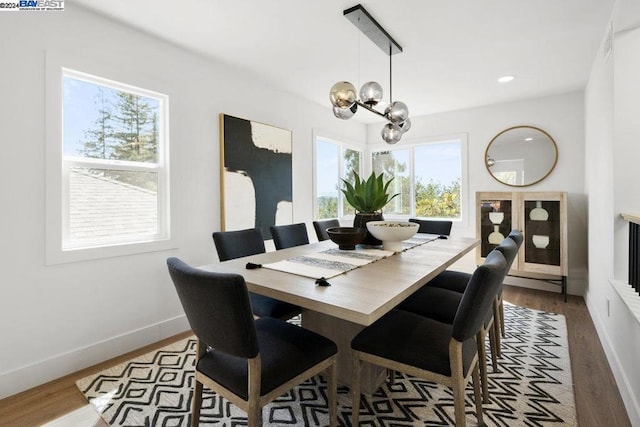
(410, 144)
(58, 248)
(342, 144)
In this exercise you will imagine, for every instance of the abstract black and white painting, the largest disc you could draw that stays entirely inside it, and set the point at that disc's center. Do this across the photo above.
(256, 176)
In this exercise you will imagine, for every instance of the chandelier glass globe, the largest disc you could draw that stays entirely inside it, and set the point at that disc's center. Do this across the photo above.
(342, 95)
(345, 113)
(371, 93)
(406, 125)
(391, 133)
(397, 112)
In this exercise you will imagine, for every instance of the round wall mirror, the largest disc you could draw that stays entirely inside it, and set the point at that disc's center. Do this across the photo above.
(521, 156)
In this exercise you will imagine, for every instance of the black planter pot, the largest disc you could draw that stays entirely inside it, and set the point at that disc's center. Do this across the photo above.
(361, 220)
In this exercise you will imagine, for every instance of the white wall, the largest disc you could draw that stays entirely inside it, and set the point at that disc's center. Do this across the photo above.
(60, 318)
(562, 116)
(611, 153)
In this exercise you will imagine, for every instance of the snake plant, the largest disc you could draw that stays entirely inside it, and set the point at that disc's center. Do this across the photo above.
(368, 195)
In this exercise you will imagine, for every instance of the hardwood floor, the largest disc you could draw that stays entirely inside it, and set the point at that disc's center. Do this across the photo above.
(598, 402)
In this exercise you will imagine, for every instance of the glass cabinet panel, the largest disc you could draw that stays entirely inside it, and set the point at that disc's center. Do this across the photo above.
(542, 230)
(495, 223)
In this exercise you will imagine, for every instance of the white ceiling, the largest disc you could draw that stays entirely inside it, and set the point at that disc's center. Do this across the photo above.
(453, 50)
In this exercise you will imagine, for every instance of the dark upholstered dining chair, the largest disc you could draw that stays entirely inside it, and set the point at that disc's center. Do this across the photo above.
(433, 226)
(430, 349)
(321, 228)
(249, 363)
(288, 236)
(437, 301)
(241, 243)
(457, 281)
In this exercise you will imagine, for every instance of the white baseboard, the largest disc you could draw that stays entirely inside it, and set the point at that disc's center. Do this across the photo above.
(628, 397)
(63, 364)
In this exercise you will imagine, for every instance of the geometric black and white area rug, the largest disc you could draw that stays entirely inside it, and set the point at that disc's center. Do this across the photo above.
(532, 388)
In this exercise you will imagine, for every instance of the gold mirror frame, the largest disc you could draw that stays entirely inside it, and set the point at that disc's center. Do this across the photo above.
(505, 137)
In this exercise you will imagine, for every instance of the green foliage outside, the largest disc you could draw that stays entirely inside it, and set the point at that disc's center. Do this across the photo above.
(126, 129)
(327, 207)
(435, 200)
(432, 200)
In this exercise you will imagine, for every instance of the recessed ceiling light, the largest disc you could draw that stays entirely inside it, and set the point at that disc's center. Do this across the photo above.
(528, 139)
(506, 79)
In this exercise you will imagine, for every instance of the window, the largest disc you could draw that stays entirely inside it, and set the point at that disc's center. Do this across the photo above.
(114, 186)
(510, 172)
(334, 161)
(427, 176)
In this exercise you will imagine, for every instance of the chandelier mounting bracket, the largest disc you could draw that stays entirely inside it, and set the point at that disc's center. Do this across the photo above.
(359, 17)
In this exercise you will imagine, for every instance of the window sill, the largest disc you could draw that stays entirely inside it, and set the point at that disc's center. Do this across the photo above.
(56, 256)
(629, 296)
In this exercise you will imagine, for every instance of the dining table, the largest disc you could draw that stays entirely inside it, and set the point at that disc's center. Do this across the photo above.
(339, 307)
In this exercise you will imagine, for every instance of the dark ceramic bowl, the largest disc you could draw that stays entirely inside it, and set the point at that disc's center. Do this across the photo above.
(346, 237)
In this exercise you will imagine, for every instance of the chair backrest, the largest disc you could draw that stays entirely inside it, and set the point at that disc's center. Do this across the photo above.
(217, 308)
(236, 244)
(321, 228)
(432, 226)
(516, 236)
(288, 236)
(508, 248)
(478, 296)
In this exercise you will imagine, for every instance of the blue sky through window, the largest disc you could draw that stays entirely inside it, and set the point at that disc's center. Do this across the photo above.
(439, 161)
(326, 168)
(81, 110)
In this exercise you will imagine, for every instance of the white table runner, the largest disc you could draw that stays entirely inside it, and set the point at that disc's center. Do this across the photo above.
(334, 262)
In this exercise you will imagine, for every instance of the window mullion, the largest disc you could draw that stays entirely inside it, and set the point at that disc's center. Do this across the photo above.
(412, 183)
(341, 153)
(111, 164)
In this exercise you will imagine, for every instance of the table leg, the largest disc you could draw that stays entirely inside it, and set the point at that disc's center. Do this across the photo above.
(342, 332)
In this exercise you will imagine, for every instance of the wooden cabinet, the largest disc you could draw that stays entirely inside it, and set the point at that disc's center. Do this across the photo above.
(542, 218)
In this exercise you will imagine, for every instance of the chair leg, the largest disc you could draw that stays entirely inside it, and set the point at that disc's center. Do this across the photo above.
(254, 415)
(457, 382)
(498, 335)
(502, 317)
(496, 325)
(482, 364)
(476, 394)
(196, 403)
(332, 384)
(254, 412)
(494, 351)
(391, 376)
(355, 390)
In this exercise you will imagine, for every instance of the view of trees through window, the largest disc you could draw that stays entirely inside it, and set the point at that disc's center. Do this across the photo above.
(427, 178)
(111, 124)
(428, 175)
(112, 143)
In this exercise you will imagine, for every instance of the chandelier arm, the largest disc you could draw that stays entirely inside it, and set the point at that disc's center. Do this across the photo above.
(365, 106)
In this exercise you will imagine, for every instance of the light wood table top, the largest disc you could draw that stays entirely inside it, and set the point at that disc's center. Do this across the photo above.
(360, 296)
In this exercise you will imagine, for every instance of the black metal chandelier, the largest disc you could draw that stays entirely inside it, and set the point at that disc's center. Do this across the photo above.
(343, 94)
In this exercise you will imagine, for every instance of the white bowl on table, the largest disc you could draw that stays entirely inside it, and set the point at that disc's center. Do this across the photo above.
(392, 233)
